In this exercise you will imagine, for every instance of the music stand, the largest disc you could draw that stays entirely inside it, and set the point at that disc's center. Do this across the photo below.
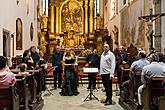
(90, 71)
(50, 70)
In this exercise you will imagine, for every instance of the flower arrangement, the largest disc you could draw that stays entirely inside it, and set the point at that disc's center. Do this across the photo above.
(86, 52)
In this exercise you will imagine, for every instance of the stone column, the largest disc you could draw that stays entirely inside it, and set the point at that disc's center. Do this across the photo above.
(86, 16)
(157, 34)
(51, 16)
(81, 3)
(57, 17)
(91, 16)
(102, 6)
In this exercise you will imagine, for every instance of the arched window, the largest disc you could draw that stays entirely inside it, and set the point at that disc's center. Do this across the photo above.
(97, 6)
(45, 7)
(96, 11)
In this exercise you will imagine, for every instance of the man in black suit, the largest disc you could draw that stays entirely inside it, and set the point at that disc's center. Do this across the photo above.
(57, 63)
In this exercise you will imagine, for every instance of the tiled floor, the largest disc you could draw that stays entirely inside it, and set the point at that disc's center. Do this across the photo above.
(58, 102)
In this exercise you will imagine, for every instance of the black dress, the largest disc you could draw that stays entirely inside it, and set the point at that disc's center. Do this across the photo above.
(69, 86)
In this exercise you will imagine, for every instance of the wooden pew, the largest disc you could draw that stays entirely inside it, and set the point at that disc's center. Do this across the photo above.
(9, 98)
(32, 86)
(154, 89)
(130, 103)
(34, 82)
(16, 61)
(37, 77)
(22, 90)
(135, 82)
(125, 72)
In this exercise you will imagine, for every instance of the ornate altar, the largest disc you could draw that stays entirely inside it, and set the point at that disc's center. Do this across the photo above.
(70, 25)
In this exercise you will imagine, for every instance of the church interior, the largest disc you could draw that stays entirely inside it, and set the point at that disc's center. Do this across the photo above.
(32, 31)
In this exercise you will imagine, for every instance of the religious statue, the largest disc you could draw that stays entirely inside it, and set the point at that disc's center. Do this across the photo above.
(43, 44)
(98, 22)
(116, 34)
(149, 33)
(61, 41)
(149, 20)
(44, 22)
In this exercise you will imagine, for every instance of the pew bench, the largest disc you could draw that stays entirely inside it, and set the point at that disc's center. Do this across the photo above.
(34, 82)
(154, 89)
(8, 98)
(22, 90)
(129, 99)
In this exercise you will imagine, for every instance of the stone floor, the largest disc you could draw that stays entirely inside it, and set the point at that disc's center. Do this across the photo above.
(58, 102)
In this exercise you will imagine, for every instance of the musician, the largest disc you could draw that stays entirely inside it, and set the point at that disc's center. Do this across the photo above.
(94, 61)
(107, 68)
(34, 55)
(27, 59)
(69, 86)
(57, 62)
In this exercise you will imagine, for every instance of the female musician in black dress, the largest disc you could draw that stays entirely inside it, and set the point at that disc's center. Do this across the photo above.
(69, 86)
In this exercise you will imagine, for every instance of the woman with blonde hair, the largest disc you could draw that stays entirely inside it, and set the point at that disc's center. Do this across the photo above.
(69, 86)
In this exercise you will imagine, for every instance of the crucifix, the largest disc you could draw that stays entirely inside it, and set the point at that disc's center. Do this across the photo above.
(149, 19)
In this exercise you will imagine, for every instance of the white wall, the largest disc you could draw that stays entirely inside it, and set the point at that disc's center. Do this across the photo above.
(115, 20)
(9, 12)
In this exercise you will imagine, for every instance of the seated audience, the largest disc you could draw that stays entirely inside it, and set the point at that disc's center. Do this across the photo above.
(139, 64)
(6, 77)
(136, 66)
(161, 59)
(152, 70)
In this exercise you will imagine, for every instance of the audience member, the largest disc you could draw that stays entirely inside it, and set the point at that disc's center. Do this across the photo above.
(152, 70)
(136, 66)
(23, 68)
(7, 78)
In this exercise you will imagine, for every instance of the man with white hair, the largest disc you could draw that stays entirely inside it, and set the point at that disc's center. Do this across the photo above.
(139, 64)
(152, 70)
(107, 68)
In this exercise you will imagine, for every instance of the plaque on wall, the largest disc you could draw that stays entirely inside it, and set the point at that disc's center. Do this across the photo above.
(19, 34)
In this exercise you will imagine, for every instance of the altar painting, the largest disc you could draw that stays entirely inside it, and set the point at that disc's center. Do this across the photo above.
(71, 17)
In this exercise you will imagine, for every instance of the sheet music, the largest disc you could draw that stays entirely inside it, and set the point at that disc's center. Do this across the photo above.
(90, 70)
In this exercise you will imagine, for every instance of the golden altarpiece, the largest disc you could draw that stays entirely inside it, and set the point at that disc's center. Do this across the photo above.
(70, 24)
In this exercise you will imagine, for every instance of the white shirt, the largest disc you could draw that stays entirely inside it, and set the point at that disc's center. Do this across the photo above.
(107, 63)
(139, 64)
(153, 70)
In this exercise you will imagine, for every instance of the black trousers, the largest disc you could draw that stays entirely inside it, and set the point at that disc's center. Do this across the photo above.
(57, 75)
(107, 83)
(92, 81)
(118, 71)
